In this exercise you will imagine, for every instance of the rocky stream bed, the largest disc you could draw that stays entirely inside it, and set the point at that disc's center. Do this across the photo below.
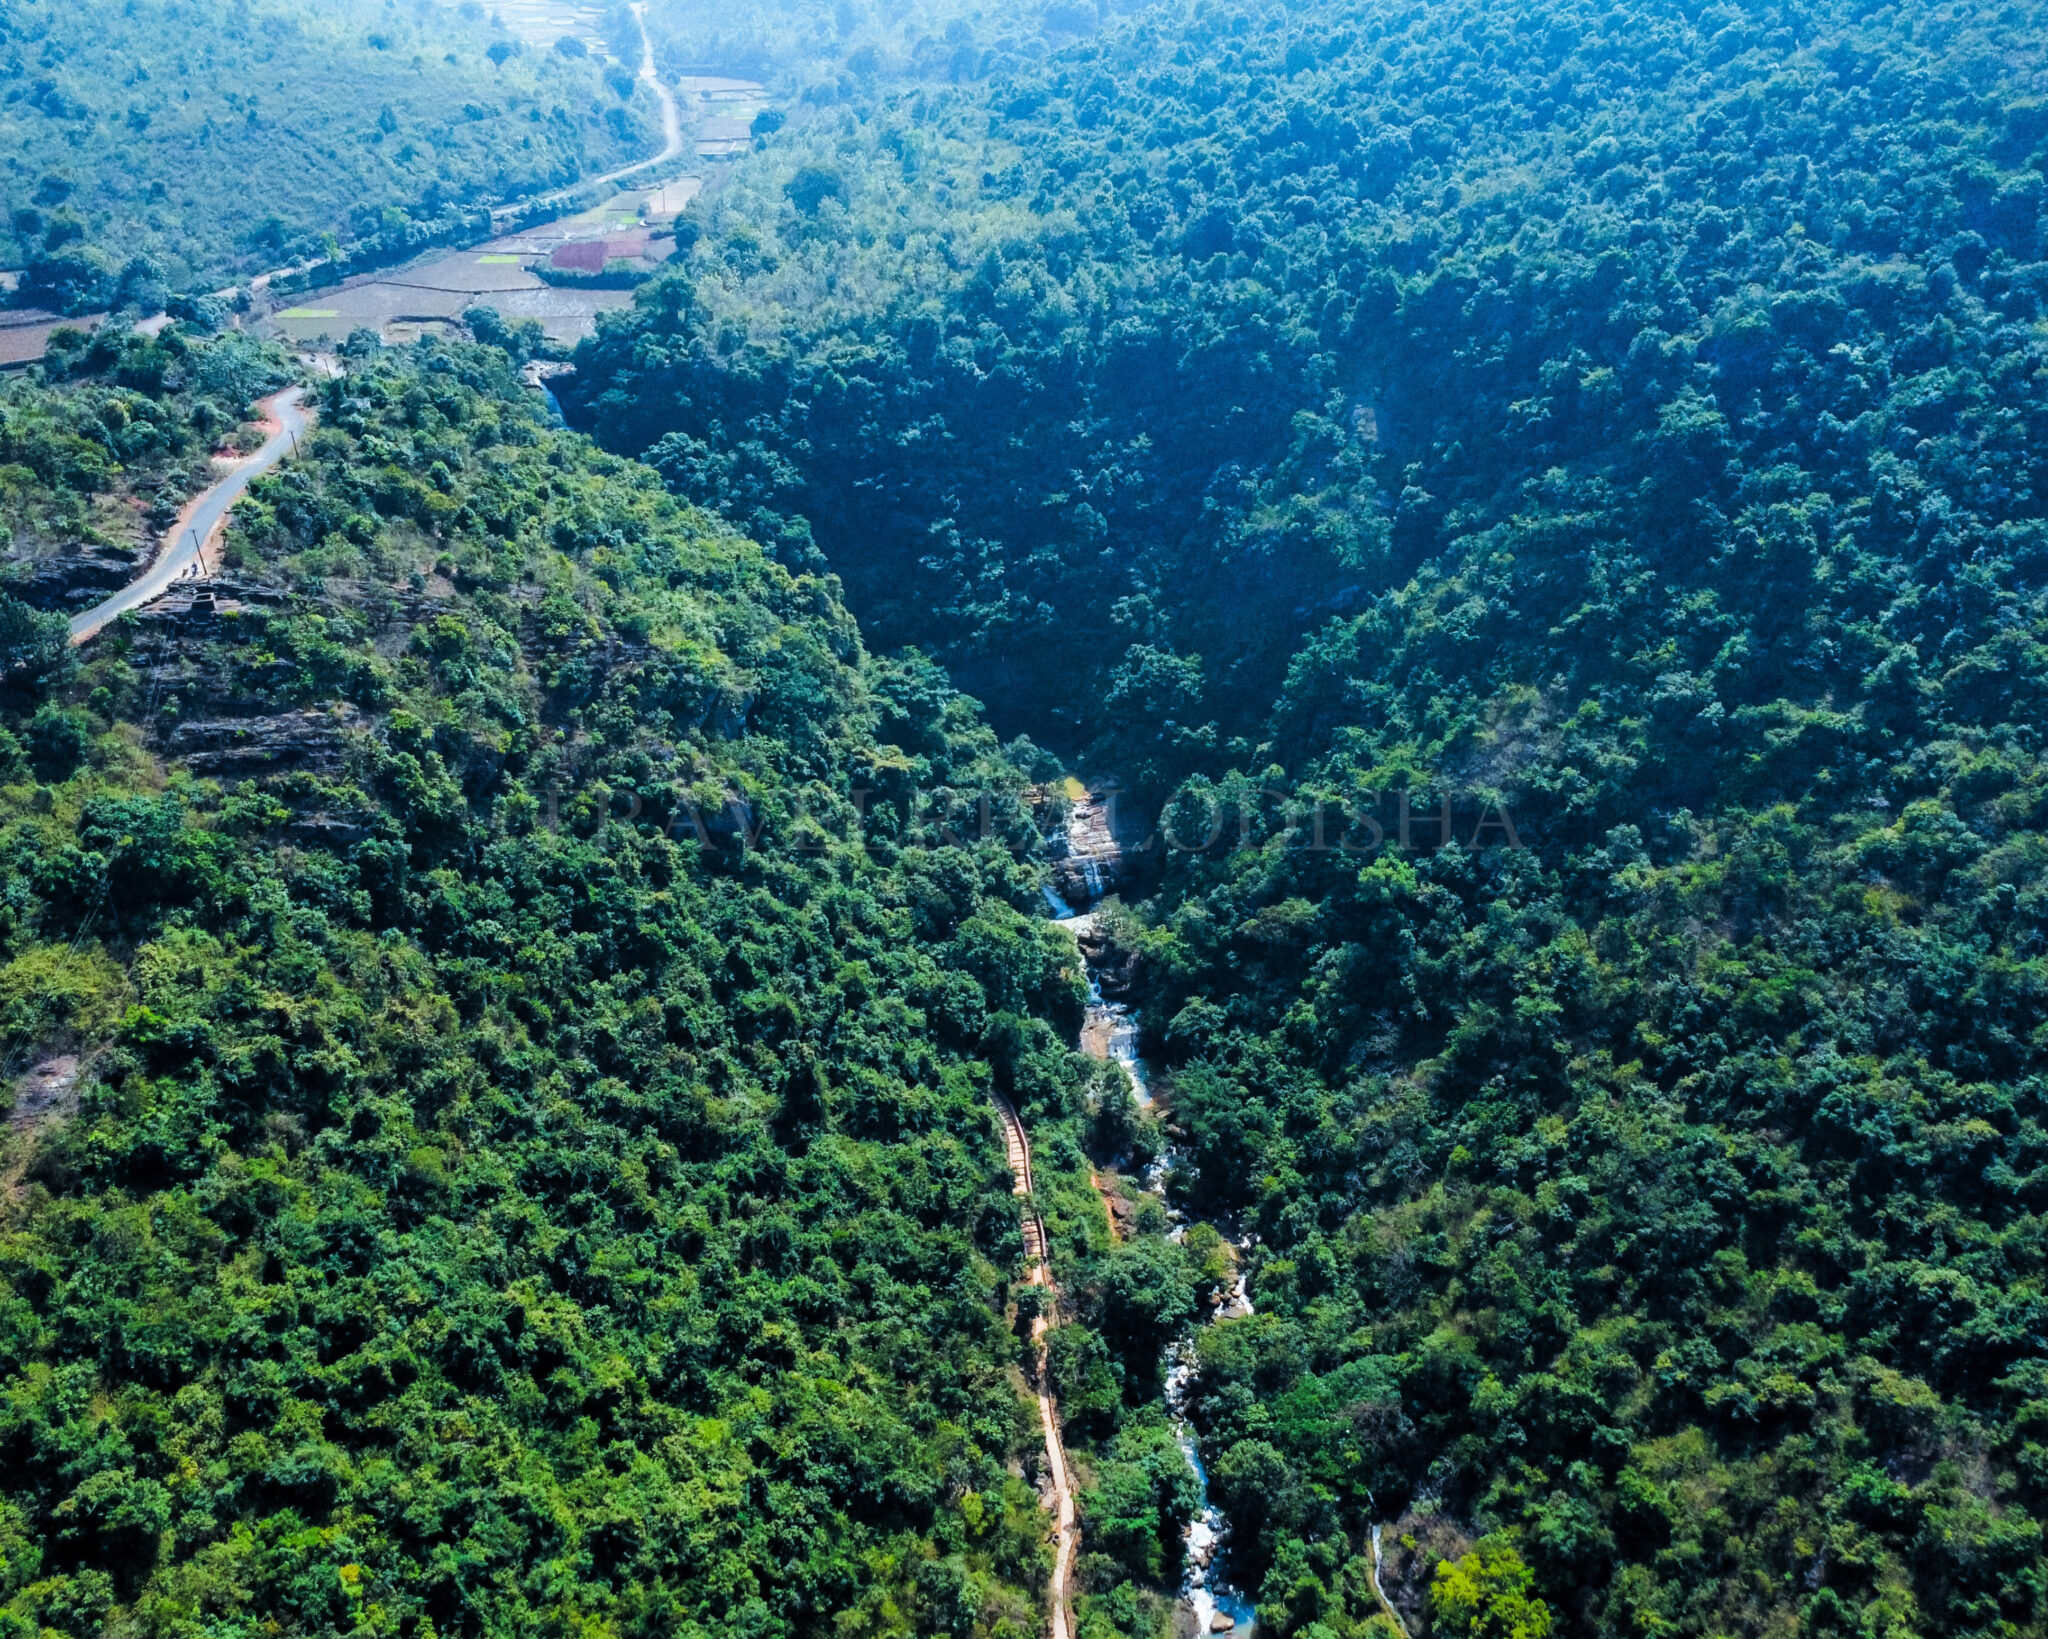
(1089, 865)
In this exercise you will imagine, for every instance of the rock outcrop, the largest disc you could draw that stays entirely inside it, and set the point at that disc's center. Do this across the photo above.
(1093, 854)
(336, 831)
(72, 581)
(48, 1089)
(1115, 971)
(240, 748)
(198, 603)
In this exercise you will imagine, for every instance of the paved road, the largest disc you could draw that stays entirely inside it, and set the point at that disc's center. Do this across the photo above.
(671, 116)
(202, 518)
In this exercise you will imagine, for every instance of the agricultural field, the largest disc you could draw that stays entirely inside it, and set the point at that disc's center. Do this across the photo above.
(630, 234)
(543, 22)
(724, 109)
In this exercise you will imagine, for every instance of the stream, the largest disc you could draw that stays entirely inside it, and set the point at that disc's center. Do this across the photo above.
(1111, 1031)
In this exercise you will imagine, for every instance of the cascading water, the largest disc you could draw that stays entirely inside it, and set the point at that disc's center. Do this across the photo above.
(1087, 857)
(1387, 1604)
(1205, 1583)
(1111, 1031)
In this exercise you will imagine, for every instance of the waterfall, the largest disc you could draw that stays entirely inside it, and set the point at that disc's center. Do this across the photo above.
(1218, 1606)
(1111, 1031)
(1087, 858)
(1387, 1603)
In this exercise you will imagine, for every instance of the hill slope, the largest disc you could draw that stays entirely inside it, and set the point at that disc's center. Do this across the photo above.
(1620, 423)
(530, 1165)
(189, 142)
(1030, 355)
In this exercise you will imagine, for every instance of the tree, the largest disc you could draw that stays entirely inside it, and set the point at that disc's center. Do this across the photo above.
(812, 186)
(34, 644)
(1486, 1595)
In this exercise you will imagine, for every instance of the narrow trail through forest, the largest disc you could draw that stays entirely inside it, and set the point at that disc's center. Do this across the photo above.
(1018, 1149)
(286, 416)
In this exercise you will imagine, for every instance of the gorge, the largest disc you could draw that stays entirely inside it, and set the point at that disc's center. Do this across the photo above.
(1090, 863)
(1196, 816)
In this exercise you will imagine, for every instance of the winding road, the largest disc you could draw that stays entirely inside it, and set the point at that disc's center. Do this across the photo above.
(671, 130)
(1018, 1150)
(671, 146)
(202, 518)
(671, 116)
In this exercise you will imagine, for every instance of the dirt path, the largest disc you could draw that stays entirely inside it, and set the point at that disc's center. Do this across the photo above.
(184, 550)
(1108, 1197)
(1018, 1148)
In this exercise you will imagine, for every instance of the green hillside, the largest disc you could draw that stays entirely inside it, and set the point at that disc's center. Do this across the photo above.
(1626, 422)
(819, 57)
(186, 143)
(530, 1167)
(1539, 507)
(1093, 298)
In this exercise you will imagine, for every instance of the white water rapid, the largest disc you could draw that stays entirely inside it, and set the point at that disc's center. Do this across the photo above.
(1386, 1604)
(1111, 1031)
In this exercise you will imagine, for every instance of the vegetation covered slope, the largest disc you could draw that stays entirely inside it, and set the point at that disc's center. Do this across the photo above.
(184, 143)
(821, 57)
(1628, 417)
(1041, 347)
(531, 1168)
(96, 467)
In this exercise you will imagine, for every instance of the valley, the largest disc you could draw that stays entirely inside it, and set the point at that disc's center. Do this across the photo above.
(915, 822)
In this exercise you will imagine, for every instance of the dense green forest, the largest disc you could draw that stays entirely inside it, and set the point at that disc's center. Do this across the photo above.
(815, 57)
(1541, 509)
(173, 144)
(532, 1005)
(1044, 344)
(1623, 424)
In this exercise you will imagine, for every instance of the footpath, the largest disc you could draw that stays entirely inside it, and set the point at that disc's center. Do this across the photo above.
(1018, 1147)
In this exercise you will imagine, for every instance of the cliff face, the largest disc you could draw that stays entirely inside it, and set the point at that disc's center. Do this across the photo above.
(1096, 852)
(207, 707)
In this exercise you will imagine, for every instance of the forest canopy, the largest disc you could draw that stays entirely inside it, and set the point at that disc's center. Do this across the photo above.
(1624, 419)
(1184, 305)
(528, 1163)
(1537, 510)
